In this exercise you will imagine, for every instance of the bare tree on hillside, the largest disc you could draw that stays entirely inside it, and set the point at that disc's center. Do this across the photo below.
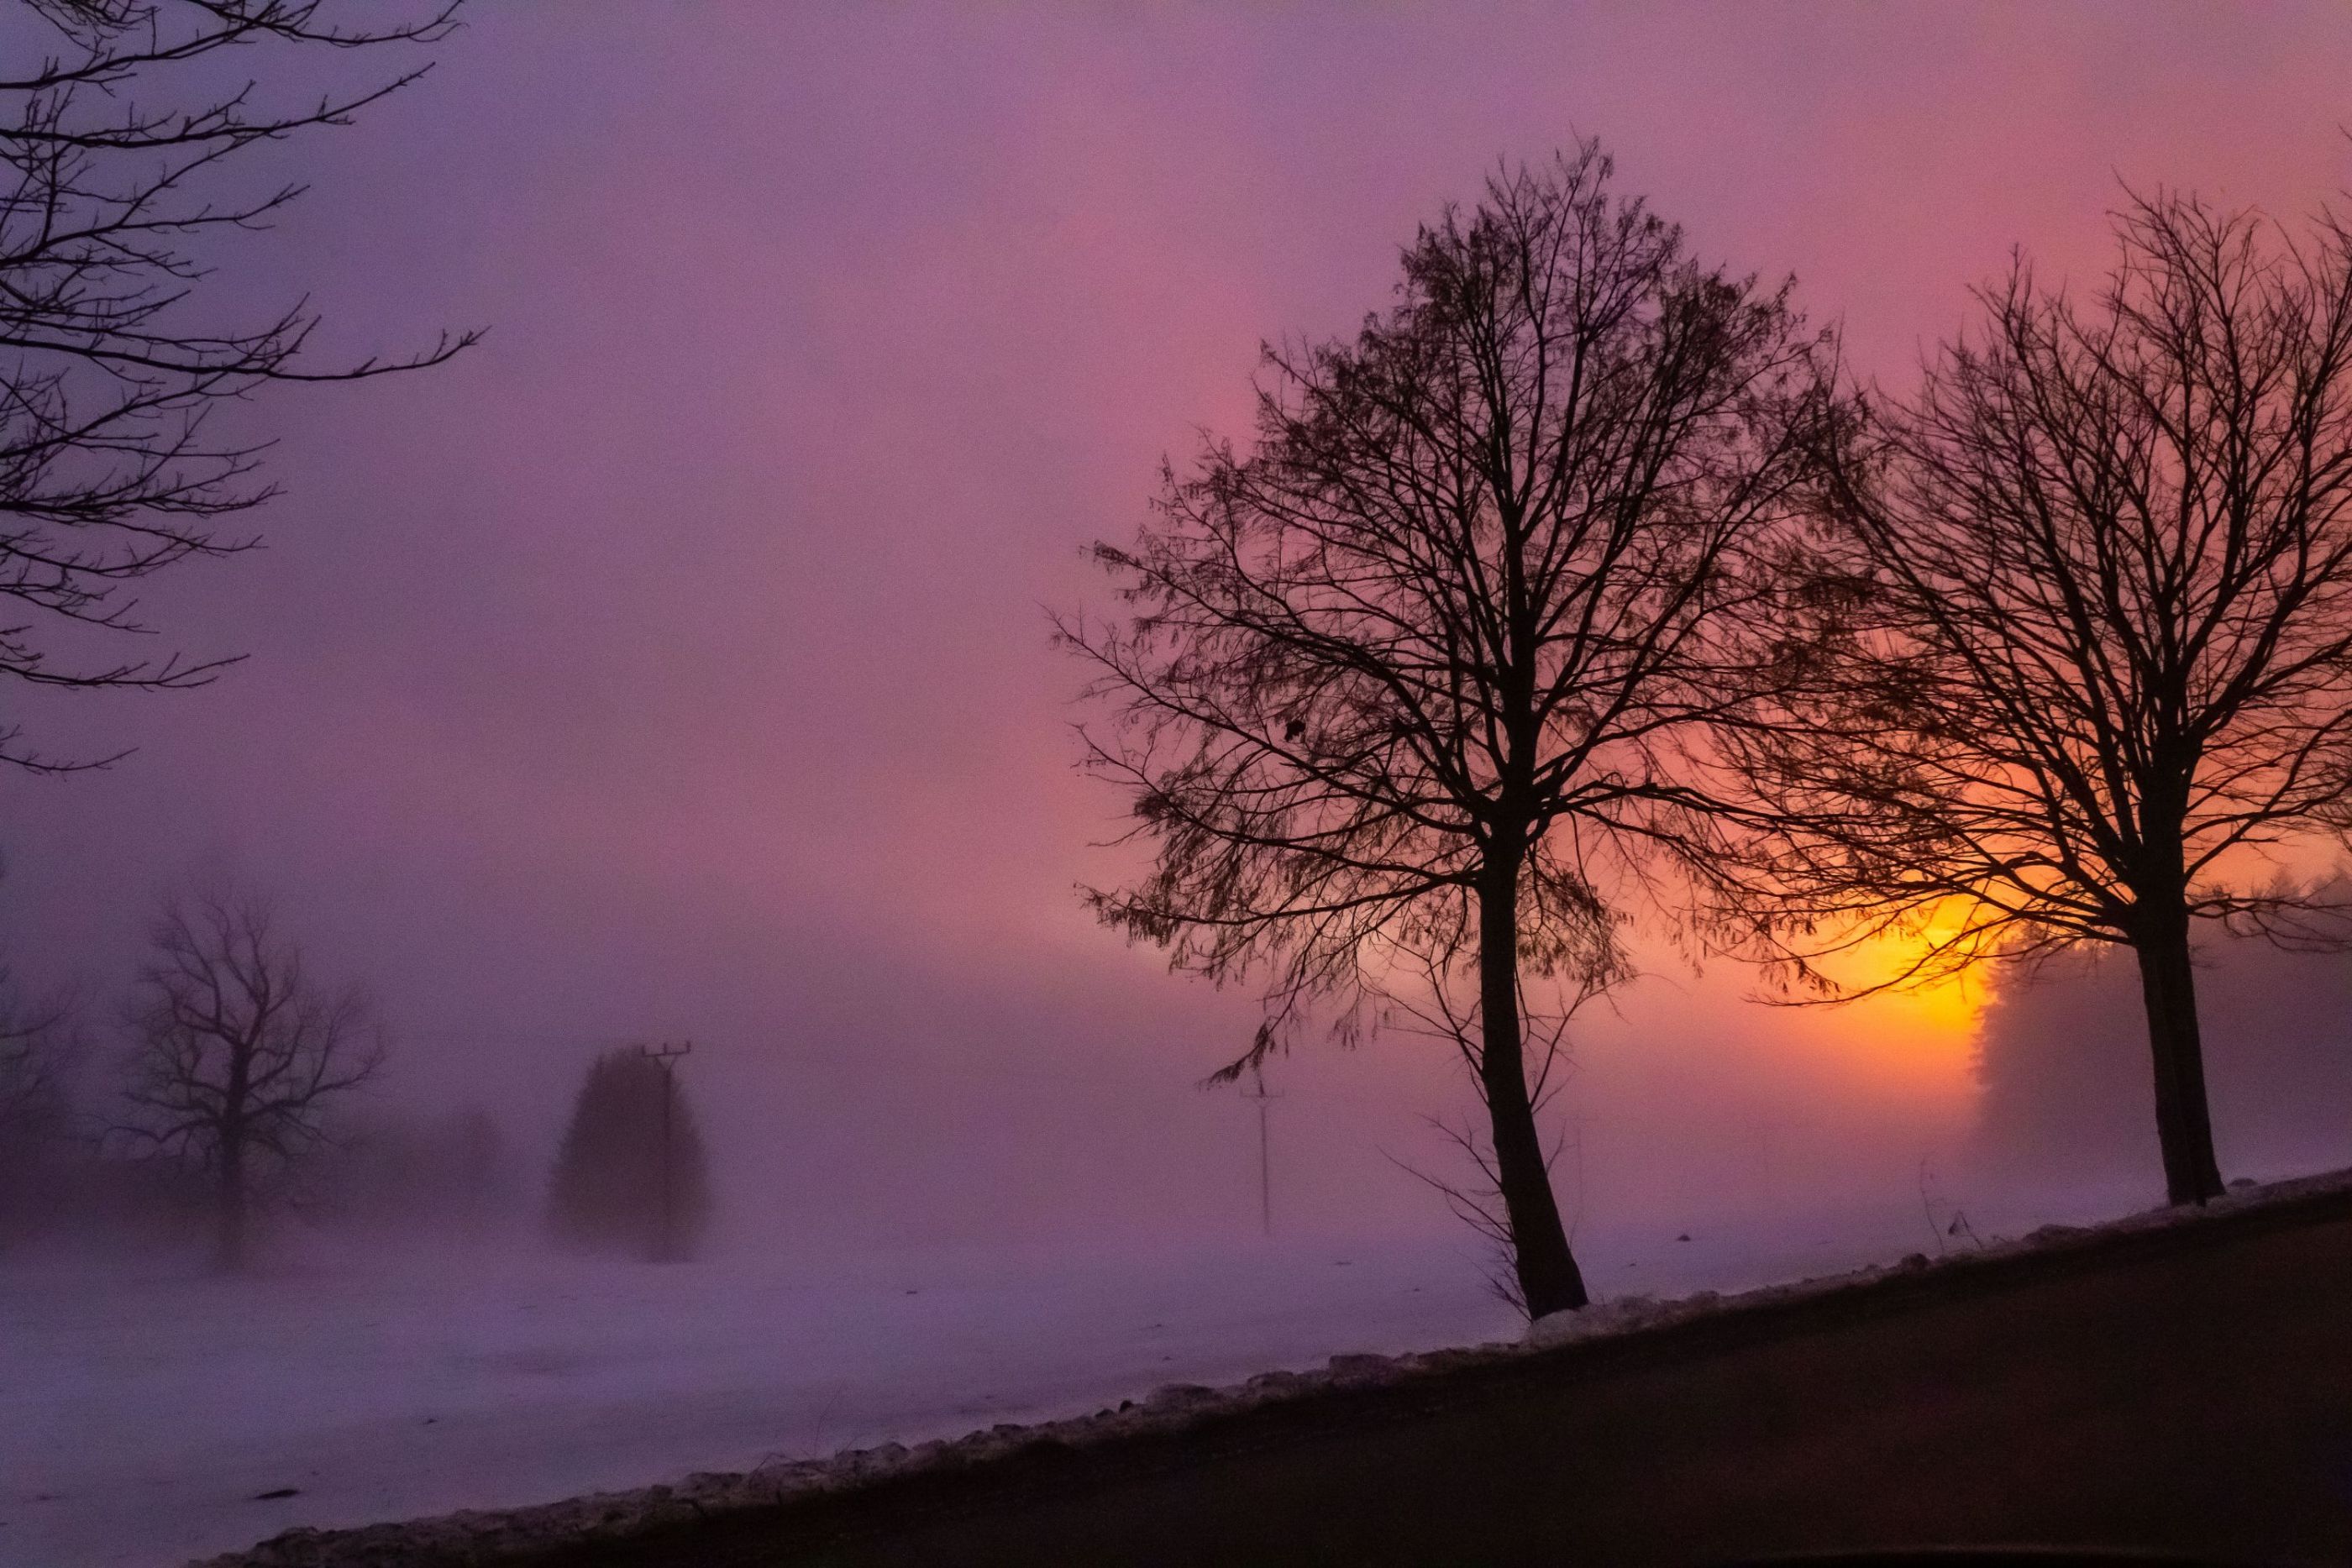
(1402, 683)
(2089, 598)
(121, 139)
(238, 1052)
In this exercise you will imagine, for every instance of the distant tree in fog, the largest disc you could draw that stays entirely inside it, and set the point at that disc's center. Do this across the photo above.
(631, 1174)
(2088, 598)
(412, 1170)
(122, 130)
(34, 1040)
(2061, 1066)
(239, 1055)
(33, 1043)
(1408, 686)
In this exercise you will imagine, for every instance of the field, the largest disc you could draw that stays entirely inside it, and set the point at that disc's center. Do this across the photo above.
(2172, 1389)
(154, 1412)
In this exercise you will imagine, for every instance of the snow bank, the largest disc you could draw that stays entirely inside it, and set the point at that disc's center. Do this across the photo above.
(1627, 1315)
(483, 1537)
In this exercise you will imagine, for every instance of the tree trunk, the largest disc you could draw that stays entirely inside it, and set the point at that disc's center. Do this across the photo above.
(231, 1200)
(2183, 1128)
(1550, 1280)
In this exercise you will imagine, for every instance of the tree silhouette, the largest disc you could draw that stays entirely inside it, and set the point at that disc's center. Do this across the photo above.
(613, 1187)
(1400, 684)
(238, 1054)
(119, 139)
(2085, 606)
(33, 1042)
(36, 1042)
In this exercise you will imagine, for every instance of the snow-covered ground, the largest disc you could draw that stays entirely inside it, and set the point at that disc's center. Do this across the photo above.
(147, 1408)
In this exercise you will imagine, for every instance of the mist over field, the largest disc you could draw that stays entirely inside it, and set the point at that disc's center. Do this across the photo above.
(411, 1340)
(566, 723)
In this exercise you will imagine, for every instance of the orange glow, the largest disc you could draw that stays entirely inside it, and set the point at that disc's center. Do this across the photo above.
(1951, 1002)
(1924, 1036)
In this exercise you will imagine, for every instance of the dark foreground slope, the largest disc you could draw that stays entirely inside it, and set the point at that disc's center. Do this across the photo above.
(2184, 1388)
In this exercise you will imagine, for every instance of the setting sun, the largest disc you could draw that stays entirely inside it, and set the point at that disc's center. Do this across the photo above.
(1921, 1034)
(1945, 1000)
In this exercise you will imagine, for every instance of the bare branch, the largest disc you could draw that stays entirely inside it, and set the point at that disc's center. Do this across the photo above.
(110, 362)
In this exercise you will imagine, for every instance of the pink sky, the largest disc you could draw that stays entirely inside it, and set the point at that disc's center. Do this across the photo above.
(675, 661)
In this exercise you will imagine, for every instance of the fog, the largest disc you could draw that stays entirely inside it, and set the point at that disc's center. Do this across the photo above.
(673, 664)
(2067, 1098)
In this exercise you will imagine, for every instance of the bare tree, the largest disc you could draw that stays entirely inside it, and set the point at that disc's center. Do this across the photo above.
(2085, 608)
(239, 1054)
(119, 141)
(38, 1048)
(35, 1039)
(1398, 684)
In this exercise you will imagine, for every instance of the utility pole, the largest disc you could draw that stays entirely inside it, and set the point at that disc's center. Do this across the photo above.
(667, 1055)
(1259, 1093)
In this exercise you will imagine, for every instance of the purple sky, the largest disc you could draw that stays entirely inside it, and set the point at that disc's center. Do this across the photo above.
(675, 661)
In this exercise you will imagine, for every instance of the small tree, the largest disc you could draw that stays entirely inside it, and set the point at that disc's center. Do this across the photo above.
(239, 1054)
(1403, 685)
(2086, 635)
(631, 1174)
